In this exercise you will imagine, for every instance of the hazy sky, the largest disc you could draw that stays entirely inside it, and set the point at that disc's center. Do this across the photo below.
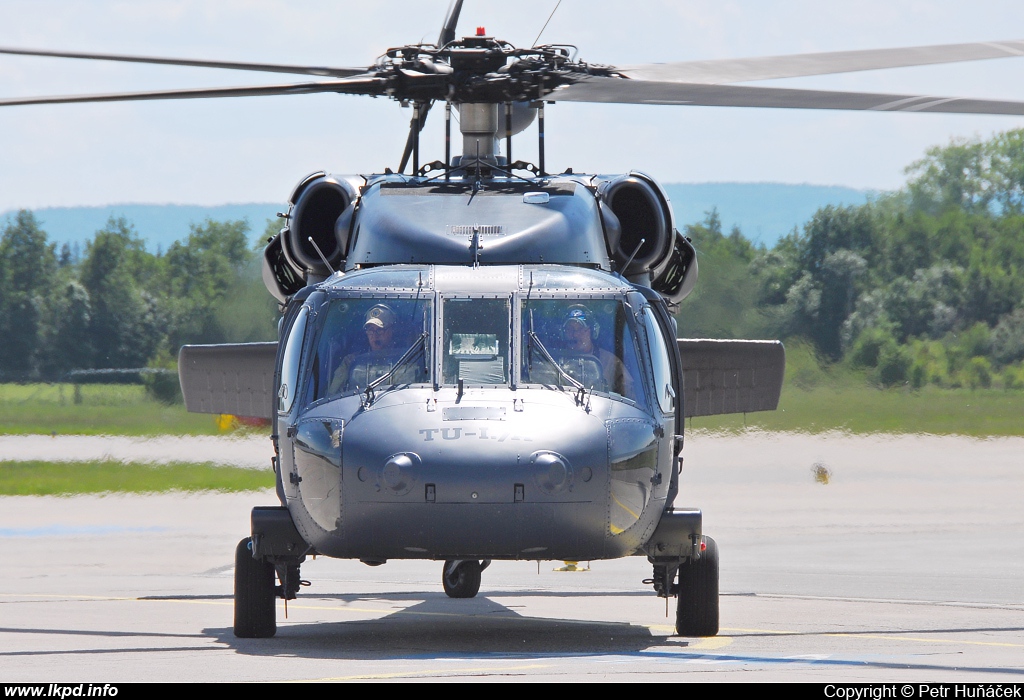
(255, 149)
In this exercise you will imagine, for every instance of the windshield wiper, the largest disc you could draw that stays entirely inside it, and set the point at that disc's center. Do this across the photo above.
(581, 390)
(420, 342)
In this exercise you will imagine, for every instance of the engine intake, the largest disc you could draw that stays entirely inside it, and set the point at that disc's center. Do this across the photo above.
(321, 209)
(317, 207)
(643, 213)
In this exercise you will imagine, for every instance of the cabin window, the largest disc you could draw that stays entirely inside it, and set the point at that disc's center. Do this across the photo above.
(364, 339)
(661, 363)
(590, 340)
(290, 367)
(475, 345)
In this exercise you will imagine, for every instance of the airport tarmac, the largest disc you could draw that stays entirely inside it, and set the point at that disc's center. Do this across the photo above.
(844, 559)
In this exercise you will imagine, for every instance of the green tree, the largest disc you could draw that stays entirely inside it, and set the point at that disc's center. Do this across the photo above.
(67, 341)
(956, 176)
(27, 264)
(125, 324)
(212, 283)
(724, 303)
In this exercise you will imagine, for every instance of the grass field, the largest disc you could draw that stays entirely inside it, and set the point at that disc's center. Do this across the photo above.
(103, 409)
(985, 412)
(74, 478)
(813, 400)
(819, 399)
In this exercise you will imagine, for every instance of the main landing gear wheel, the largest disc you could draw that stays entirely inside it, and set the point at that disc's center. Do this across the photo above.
(697, 607)
(255, 613)
(461, 579)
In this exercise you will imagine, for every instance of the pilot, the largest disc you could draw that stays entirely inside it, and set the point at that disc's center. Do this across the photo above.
(580, 329)
(379, 326)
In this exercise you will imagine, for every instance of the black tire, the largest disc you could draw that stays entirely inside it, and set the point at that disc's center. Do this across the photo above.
(255, 613)
(463, 581)
(697, 607)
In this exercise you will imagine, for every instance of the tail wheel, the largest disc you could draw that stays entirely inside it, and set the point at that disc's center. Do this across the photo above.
(697, 606)
(461, 578)
(255, 614)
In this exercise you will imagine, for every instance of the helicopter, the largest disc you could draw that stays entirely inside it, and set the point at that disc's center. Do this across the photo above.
(477, 358)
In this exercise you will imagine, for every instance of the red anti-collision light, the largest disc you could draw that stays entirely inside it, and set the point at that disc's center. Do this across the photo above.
(703, 546)
(480, 31)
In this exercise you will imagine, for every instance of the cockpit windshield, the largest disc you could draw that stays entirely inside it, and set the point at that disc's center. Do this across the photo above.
(541, 334)
(364, 338)
(591, 342)
(476, 340)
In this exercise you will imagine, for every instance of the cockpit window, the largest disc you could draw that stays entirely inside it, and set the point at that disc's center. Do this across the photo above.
(476, 341)
(364, 338)
(661, 362)
(290, 367)
(591, 341)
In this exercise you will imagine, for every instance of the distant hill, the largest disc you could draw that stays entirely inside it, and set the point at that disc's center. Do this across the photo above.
(158, 224)
(764, 211)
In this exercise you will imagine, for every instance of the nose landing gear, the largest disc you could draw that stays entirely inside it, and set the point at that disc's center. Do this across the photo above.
(255, 615)
(461, 578)
(697, 606)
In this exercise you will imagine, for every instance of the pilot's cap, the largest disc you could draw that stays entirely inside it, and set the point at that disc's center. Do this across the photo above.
(578, 313)
(379, 316)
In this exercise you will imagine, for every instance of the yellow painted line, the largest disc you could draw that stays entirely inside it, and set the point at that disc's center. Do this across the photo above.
(424, 672)
(66, 595)
(711, 643)
(891, 637)
(661, 629)
(923, 639)
(703, 643)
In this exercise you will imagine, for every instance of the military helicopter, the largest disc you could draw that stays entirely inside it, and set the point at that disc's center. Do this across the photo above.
(478, 357)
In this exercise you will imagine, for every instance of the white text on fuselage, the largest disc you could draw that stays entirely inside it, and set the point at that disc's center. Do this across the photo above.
(485, 433)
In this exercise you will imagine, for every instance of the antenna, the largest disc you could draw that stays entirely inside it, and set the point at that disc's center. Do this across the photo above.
(508, 134)
(416, 139)
(633, 254)
(540, 138)
(447, 140)
(546, 23)
(477, 162)
(475, 246)
(320, 253)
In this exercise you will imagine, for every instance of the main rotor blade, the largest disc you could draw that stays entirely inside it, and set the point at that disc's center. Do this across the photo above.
(450, 23)
(264, 67)
(740, 70)
(369, 85)
(617, 90)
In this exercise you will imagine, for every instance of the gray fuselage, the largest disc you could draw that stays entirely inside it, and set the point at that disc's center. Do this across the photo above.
(489, 435)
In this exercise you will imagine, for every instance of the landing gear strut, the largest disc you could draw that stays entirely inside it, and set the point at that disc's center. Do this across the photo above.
(461, 578)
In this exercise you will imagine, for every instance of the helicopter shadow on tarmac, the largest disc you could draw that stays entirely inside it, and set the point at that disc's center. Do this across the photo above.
(440, 627)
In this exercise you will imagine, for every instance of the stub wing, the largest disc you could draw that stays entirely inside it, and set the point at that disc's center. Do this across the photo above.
(731, 376)
(235, 379)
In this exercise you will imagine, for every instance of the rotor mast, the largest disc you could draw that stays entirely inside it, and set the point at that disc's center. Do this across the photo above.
(478, 122)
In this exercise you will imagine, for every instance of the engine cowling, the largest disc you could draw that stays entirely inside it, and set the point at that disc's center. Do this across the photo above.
(643, 213)
(316, 208)
(676, 278)
(321, 208)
